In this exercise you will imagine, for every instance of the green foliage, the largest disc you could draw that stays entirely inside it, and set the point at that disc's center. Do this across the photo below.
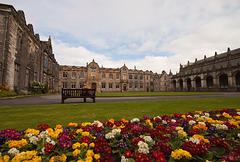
(6, 92)
(38, 88)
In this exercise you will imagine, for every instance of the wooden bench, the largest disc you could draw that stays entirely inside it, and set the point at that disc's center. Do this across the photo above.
(78, 93)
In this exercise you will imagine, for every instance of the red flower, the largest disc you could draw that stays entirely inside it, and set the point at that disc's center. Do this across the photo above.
(128, 154)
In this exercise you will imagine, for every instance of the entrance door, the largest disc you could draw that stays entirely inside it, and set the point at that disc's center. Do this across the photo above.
(94, 86)
(124, 88)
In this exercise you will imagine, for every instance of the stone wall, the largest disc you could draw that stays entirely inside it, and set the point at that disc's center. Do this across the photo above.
(22, 54)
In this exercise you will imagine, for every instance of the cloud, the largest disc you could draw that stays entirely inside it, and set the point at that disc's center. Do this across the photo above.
(151, 34)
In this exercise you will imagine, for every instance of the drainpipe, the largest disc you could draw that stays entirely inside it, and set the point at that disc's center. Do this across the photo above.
(4, 44)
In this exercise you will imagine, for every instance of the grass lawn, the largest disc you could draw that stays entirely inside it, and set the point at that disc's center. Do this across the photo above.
(124, 94)
(23, 117)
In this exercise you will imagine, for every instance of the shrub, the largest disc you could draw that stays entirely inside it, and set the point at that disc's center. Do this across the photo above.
(38, 88)
(6, 92)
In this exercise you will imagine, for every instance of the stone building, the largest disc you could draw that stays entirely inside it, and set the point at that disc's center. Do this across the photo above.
(23, 56)
(110, 80)
(220, 72)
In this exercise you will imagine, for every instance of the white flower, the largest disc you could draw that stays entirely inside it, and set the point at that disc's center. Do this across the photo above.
(52, 142)
(134, 120)
(194, 140)
(0, 154)
(116, 131)
(196, 116)
(30, 135)
(173, 120)
(143, 147)
(48, 140)
(43, 151)
(191, 122)
(221, 126)
(13, 151)
(109, 135)
(33, 140)
(239, 135)
(164, 122)
(98, 123)
(201, 123)
(124, 159)
(238, 112)
(189, 116)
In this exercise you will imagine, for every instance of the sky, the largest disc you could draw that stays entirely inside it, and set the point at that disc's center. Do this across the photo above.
(152, 35)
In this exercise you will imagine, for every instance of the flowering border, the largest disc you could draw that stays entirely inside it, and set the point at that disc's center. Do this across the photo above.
(198, 136)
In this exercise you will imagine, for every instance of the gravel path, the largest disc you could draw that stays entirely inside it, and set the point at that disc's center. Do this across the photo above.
(56, 99)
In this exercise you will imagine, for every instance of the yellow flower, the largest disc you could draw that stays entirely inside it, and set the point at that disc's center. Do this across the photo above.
(91, 145)
(89, 159)
(34, 131)
(180, 153)
(80, 161)
(72, 124)
(200, 126)
(5, 158)
(89, 153)
(85, 145)
(125, 121)
(86, 124)
(76, 145)
(85, 133)
(200, 120)
(17, 144)
(96, 156)
(79, 131)
(58, 126)
(76, 152)
(111, 120)
(198, 112)
(237, 117)
(200, 138)
(184, 116)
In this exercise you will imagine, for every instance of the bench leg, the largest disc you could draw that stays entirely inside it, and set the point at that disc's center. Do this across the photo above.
(84, 99)
(93, 99)
(62, 100)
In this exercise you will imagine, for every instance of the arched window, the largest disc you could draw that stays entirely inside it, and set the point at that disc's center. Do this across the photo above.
(223, 80)
(198, 83)
(181, 84)
(237, 77)
(189, 84)
(209, 81)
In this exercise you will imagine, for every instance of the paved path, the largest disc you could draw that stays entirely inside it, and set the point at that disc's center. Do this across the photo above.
(56, 99)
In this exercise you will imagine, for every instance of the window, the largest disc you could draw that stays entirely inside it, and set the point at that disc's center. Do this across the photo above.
(136, 77)
(110, 76)
(64, 85)
(124, 76)
(16, 74)
(47, 63)
(73, 84)
(141, 77)
(19, 40)
(103, 76)
(117, 85)
(103, 85)
(81, 75)
(136, 84)
(130, 85)
(65, 73)
(27, 78)
(141, 85)
(130, 76)
(81, 85)
(93, 72)
(110, 85)
(73, 75)
(117, 76)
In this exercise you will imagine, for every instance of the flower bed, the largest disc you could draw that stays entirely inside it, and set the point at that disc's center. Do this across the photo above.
(198, 136)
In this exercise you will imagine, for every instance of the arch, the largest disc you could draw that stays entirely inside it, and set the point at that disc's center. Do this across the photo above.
(237, 78)
(174, 84)
(209, 81)
(198, 83)
(189, 84)
(223, 81)
(181, 84)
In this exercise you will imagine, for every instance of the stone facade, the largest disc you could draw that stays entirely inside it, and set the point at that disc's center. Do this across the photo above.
(23, 56)
(220, 72)
(111, 80)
